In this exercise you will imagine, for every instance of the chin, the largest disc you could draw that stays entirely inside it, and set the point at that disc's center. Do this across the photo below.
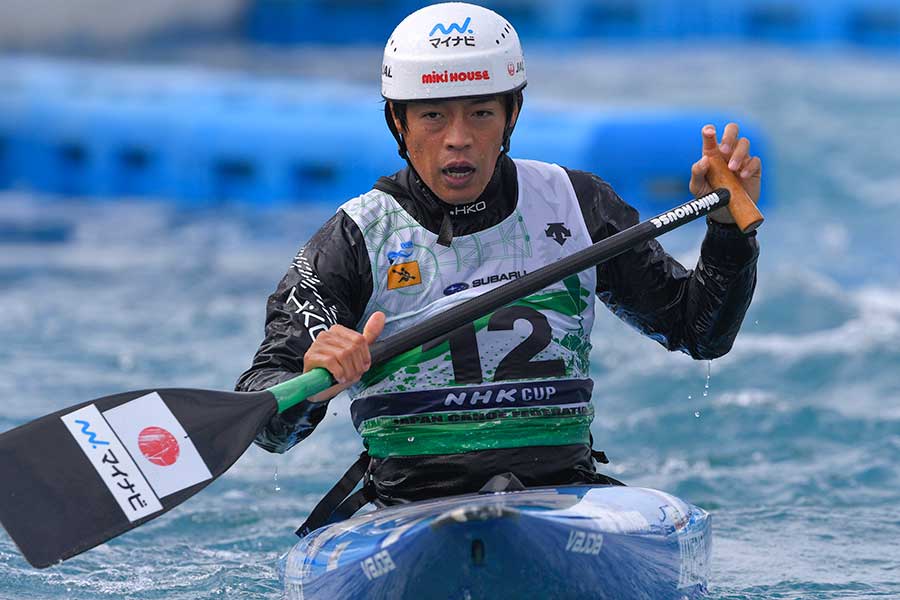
(459, 196)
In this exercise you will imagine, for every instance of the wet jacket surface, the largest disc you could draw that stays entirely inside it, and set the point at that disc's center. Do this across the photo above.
(697, 311)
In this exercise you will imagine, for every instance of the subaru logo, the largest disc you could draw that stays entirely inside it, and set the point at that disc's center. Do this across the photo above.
(454, 288)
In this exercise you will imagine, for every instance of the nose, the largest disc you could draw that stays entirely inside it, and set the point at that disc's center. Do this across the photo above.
(458, 136)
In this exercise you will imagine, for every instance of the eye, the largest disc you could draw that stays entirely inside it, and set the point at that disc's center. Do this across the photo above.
(484, 113)
(430, 115)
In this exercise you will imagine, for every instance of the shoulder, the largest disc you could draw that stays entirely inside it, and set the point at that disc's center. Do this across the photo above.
(372, 202)
(604, 211)
(536, 168)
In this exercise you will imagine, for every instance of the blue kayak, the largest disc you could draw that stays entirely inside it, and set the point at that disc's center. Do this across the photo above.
(603, 542)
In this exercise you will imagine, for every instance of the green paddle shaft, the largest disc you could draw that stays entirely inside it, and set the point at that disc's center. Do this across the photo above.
(294, 391)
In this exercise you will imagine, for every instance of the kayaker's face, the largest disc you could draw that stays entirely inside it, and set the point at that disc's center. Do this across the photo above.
(454, 144)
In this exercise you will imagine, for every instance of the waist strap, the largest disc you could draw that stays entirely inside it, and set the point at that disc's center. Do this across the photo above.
(339, 504)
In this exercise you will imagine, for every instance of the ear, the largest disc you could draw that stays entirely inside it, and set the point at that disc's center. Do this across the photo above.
(515, 115)
(397, 125)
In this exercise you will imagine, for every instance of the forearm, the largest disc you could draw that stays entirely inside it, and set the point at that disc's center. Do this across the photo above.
(698, 311)
(328, 283)
(283, 431)
(719, 292)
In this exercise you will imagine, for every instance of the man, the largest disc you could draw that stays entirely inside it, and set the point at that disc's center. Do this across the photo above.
(510, 393)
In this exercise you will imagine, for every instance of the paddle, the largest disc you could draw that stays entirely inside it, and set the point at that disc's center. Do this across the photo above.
(78, 477)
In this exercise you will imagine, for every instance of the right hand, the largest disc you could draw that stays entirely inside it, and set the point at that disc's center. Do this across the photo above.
(344, 353)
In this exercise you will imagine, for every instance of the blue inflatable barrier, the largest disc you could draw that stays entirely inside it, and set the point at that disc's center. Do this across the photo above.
(538, 19)
(782, 21)
(13, 104)
(202, 139)
(100, 148)
(324, 152)
(348, 22)
(873, 23)
(633, 19)
(7, 147)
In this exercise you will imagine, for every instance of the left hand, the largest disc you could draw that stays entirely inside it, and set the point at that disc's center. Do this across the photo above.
(736, 153)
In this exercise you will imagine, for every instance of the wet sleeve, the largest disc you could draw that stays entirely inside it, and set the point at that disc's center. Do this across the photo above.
(329, 282)
(697, 311)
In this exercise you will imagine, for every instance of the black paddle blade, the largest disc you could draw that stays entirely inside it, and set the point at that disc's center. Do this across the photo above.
(81, 476)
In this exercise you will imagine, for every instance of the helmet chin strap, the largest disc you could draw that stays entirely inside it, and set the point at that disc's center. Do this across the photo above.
(401, 143)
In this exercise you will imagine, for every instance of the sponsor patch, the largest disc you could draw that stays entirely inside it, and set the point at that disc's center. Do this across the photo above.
(405, 251)
(403, 275)
(455, 288)
(158, 443)
(455, 76)
(468, 209)
(452, 41)
(497, 278)
(112, 462)
(558, 232)
(447, 30)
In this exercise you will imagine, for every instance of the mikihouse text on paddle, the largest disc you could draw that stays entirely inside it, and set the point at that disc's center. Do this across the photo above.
(78, 477)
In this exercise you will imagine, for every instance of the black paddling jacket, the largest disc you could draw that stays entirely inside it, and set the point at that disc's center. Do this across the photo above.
(330, 281)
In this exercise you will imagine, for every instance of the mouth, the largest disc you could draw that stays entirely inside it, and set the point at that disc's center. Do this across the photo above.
(458, 173)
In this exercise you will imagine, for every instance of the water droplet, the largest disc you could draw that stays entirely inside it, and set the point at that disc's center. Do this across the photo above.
(756, 322)
(277, 487)
(334, 413)
(697, 413)
(708, 375)
(410, 439)
(690, 397)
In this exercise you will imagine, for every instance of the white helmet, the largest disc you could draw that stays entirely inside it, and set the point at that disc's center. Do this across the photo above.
(452, 50)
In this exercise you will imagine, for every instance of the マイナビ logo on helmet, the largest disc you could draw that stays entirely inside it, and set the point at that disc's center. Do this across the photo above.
(464, 28)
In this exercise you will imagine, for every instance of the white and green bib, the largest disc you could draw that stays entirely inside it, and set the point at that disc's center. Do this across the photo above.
(517, 377)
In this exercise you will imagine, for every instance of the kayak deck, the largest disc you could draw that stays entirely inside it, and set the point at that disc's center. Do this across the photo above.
(605, 542)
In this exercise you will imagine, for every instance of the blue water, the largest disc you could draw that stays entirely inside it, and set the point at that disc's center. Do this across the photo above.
(793, 446)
